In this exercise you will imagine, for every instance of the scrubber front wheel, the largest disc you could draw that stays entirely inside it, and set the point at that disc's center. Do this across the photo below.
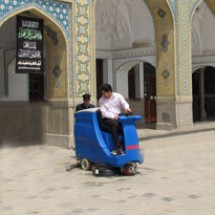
(129, 169)
(85, 164)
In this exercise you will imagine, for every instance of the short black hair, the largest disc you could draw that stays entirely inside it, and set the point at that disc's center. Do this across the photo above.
(86, 96)
(106, 88)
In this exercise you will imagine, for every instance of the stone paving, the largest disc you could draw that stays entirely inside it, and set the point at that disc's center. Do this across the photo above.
(177, 177)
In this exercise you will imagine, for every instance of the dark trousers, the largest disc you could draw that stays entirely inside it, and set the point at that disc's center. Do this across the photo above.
(115, 129)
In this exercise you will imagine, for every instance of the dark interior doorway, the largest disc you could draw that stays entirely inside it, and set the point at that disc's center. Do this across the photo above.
(196, 96)
(99, 76)
(131, 84)
(208, 94)
(209, 83)
(36, 87)
(150, 93)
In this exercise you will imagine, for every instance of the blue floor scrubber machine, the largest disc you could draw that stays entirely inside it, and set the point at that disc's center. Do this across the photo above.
(94, 144)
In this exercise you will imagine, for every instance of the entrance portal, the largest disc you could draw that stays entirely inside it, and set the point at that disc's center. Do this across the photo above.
(25, 114)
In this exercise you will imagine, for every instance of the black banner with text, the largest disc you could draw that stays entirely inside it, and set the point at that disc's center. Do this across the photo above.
(29, 57)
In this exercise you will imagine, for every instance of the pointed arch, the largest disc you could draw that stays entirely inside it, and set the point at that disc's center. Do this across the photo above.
(194, 6)
(58, 51)
(122, 76)
(211, 5)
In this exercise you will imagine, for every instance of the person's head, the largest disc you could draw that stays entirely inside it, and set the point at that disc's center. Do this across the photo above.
(86, 99)
(106, 90)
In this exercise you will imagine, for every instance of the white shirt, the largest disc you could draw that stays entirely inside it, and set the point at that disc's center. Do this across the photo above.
(113, 106)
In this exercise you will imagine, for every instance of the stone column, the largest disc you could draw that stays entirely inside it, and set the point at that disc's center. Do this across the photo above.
(83, 79)
(174, 106)
(173, 71)
(77, 78)
(108, 71)
(141, 81)
(122, 82)
(183, 66)
(2, 71)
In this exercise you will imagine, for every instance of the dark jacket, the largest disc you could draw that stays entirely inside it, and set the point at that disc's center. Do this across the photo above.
(82, 107)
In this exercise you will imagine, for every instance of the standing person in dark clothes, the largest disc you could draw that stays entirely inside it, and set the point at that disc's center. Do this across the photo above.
(86, 103)
(111, 105)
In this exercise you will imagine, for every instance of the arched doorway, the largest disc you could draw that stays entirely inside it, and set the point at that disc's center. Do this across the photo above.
(204, 94)
(136, 80)
(25, 98)
(203, 46)
(147, 85)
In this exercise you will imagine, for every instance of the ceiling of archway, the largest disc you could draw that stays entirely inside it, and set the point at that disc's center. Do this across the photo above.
(111, 25)
(122, 24)
(203, 25)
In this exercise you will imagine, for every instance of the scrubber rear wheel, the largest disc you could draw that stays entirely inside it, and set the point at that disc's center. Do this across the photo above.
(85, 164)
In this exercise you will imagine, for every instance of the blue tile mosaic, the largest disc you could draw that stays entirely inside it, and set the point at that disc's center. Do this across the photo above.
(60, 12)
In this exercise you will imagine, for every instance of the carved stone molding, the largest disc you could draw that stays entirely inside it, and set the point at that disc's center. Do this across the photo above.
(203, 59)
(135, 52)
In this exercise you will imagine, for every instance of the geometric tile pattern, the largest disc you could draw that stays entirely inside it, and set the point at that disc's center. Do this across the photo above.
(184, 50)
(162, 16)
(182, 20)
(59, 11)
(83, 44)
(182, 23)
(182, 13)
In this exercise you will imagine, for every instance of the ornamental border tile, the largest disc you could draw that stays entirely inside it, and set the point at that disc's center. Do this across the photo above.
(58, 11)
(83, 40)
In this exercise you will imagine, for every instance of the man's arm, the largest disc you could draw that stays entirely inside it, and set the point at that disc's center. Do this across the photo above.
(124, 104)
